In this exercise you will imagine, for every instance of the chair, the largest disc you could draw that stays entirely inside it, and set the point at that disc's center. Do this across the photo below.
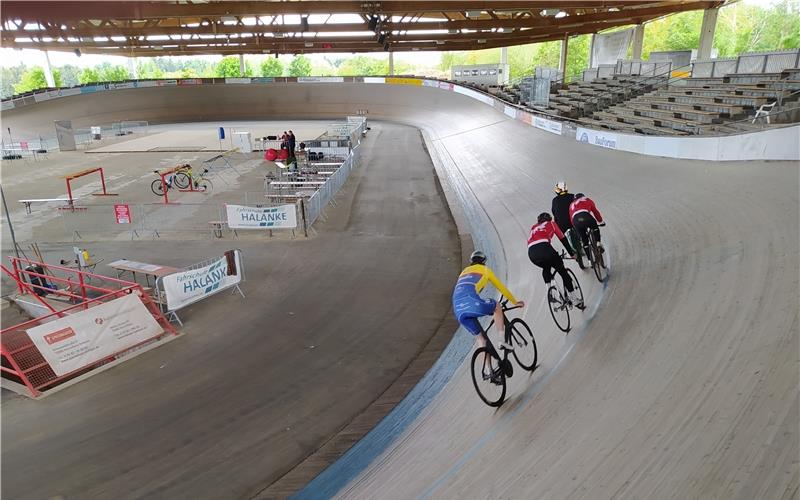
(764, 110)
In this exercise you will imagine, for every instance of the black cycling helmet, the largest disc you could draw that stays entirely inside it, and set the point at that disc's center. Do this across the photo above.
(477, 257)
(544, 216)
(579, 195)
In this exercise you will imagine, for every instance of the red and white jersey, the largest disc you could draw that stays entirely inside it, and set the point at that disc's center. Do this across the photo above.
(543, 232)
(584, 205)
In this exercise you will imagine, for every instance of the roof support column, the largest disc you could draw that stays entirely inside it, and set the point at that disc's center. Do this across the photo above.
(241, 64)
(562, 61)
(48, 71)
(707, 33)
(591, 51)
(638, 41)
(133, 74)
(503, 55)
(391, 63)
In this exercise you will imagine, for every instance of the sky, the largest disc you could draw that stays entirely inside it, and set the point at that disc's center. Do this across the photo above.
(11, 57)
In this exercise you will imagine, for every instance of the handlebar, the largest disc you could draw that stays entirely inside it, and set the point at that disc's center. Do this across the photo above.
(506, 307)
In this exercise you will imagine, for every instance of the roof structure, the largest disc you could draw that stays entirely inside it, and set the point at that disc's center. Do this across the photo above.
(290, 27)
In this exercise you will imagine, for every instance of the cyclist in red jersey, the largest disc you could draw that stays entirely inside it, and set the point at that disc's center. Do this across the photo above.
(585, 216)
(543, 255)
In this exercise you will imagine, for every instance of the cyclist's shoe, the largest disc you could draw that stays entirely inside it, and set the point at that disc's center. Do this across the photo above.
(575, 298)
(503, 345)
(496, 377)
(600, 247)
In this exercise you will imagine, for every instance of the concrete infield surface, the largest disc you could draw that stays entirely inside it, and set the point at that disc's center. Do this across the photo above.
(681, 379)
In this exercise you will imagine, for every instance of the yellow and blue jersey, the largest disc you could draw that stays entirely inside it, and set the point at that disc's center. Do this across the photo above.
(468, 306)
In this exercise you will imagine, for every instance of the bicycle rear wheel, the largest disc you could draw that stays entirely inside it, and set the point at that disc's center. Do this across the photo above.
(490, 392)
(157, 187)
(181, 180)
(520, 336)
(559, 309)
(598, 265)
(204, 185)
(575, 241)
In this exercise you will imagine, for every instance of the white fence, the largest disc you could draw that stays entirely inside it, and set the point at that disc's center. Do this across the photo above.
(752, 62)
(644, 68)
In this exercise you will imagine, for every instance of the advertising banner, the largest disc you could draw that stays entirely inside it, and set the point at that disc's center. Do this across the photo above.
(551, 126)
(122, 86)
(122, 214)
(80, 339)
(187, 287)
(374, 79)
(403, 81)
(238, 80)
(596, 137)
(190, 81)
(510, 111)
(263, 79)
(241, 217)
(7, 105)
(320, 79)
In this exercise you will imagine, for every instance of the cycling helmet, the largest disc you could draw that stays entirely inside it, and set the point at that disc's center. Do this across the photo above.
(579, 195)
(561, 187)
(544, 216)
(477, 257)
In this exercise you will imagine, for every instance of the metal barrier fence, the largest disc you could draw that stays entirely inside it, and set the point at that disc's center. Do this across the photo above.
(315, 205)
(644, 68)
(751, 62)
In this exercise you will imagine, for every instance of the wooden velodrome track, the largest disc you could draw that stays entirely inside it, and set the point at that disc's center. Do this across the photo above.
(680, 380)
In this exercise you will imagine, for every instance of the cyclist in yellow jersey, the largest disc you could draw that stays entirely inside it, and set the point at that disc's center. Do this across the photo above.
(468, 305)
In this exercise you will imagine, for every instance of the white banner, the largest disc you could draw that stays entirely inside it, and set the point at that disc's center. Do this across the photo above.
(374, 79)
(187, 287)
(237, 80)
(597, 138)
(551, 126)
(320, 79)
(77, 340)
(241, 217)
(609, 48)
(510, 111)
(8, 105)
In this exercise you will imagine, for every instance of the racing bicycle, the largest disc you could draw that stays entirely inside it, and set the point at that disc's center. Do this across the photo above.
(559, 301)
(490, 369)
(575, 240)
(595, 256)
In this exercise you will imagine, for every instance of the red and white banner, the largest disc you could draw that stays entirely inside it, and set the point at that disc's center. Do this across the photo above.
(123, 214)
(78, 340)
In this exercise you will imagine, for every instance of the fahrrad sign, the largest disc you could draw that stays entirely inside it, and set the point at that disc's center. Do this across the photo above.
(78, 340)
(187, 287)
(122, 214)
(281, 217)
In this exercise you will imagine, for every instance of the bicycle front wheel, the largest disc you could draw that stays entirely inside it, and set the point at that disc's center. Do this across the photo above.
(598, 265)
(204, 185)
(181, 180)
(576, 284)
(558, 308)
(492, 392)
(520, 336)
(157, 187)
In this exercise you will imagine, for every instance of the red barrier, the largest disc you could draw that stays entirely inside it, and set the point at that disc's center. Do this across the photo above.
(72, 177)
(21, 360)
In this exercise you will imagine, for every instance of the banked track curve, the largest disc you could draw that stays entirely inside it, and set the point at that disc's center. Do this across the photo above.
(684, 383)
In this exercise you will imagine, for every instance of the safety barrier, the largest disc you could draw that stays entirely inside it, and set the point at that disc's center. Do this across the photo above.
(751, 62)
(23, 364)
(644, 68)
(313, 207)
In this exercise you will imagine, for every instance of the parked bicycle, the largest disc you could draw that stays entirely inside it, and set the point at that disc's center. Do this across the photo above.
(490, 370)
(559, 301)
(182, 179)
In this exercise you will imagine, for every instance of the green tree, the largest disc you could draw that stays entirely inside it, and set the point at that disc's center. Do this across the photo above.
(114, 73)
(271, 66)
(300, 66)
(364, 65)
(34, 78)
(10, 76)
(89, 75)
(70, 75)
(229, 67)
(149, 69)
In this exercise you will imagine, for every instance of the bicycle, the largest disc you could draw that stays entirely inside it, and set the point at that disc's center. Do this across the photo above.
(575, 240)
(182, 179)
(493, 370)
(559, 301)
(596, 259)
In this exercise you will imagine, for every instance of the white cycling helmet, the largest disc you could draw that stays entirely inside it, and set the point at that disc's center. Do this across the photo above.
(561, 187)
